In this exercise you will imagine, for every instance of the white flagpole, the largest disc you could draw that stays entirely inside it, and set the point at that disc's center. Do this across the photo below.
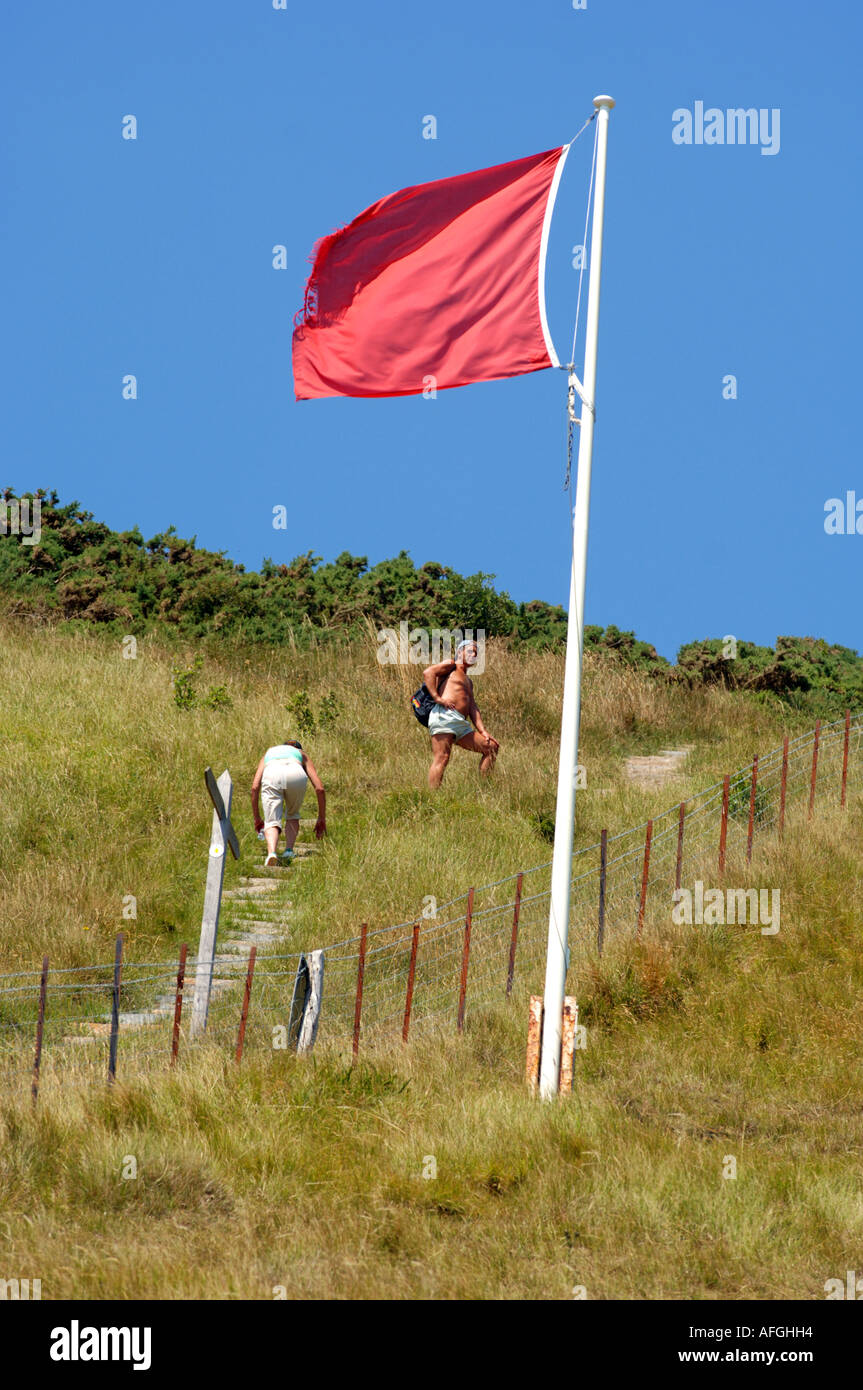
(564, 825)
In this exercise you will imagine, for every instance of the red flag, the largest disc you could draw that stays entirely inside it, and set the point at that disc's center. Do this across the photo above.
(436, 285)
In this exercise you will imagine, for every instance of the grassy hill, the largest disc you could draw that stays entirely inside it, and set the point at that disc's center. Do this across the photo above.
(79, 574)
(308, 1174)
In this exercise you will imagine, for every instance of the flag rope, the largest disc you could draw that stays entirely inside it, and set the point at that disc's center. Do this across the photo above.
(571, 362)
(570, 398)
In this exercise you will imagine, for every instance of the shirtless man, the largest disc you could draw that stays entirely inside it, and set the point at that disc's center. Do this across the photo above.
(451, 688)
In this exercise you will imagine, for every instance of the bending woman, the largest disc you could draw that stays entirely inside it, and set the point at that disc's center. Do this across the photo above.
(280, 782)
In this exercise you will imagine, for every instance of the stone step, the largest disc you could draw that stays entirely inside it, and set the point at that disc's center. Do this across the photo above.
(240, 918)
(231, 962)
(240, 894)
(270, 931)
(243, 948)
(142, 1017)
(247, 924)
(224, 976)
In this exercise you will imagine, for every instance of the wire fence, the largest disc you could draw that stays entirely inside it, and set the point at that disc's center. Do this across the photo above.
(480, 947)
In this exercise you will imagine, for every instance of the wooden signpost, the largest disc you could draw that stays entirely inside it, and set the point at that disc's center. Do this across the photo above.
(223, 835)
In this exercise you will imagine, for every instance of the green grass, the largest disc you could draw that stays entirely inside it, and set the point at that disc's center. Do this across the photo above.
(703, 1044)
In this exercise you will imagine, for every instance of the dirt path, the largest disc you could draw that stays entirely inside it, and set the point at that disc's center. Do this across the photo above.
(658, 768)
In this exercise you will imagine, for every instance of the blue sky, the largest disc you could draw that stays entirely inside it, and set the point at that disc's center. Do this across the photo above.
(259, 127)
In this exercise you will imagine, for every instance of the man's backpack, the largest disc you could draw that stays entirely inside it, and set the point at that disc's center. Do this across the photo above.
(422, 705)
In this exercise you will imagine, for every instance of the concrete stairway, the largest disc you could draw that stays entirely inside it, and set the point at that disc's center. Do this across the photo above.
(255, 913)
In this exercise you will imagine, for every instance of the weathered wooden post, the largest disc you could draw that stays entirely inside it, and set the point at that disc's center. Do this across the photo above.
(534, 1042)
(222, 834)
(311, 1012)
(567, 1045)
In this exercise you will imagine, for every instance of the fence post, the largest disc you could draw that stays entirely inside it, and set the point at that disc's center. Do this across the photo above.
(534, 1041)
(567, 1044)
(361, 971)
(751, 810)
(783, 787)
(678, 871)
(222, 834)
(247, 994)
(845, 756)
(115, 1008)
(603, 865)
(40, 1024)
(512, 945)
(814, 766)
(723, 827)
(465, 959)
(178, 1003)
(645, 872)
(412, 970)
(308, 1026)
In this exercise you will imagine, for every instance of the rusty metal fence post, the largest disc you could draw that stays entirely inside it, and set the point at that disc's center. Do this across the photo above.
(247, 994)
(361, 971)
(645, 877)
(678, 868)
(783, 787)
(412, 969)
(751, 826)
(723, 827)
(40, 1025)
(815, 743)
(603, 867)
(178, 1003)
(115, 1009)
(465, 961)
(845, 756)
(514, 939)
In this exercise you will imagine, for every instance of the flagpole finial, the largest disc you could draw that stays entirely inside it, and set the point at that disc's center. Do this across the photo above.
(607, 102)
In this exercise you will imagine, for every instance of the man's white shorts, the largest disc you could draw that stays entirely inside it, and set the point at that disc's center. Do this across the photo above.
(449, 721)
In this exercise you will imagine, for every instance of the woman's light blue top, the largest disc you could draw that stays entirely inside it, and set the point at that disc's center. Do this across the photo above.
(280, 751)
